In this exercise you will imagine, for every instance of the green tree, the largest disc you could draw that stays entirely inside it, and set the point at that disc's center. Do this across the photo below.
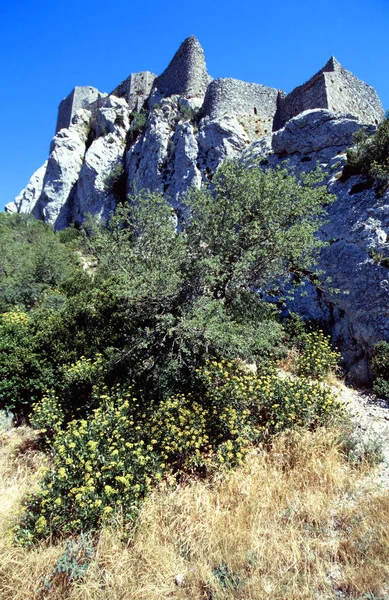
(195, 289)
(33, 260)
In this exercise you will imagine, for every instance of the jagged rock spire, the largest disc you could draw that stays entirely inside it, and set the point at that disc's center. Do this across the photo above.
(186, 74)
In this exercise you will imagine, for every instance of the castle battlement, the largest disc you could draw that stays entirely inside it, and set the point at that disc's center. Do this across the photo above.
(85, 97)
(262, 108)
(336, 89)
(136, 89)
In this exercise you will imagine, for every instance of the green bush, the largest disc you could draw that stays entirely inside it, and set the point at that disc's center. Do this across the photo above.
(25, 374)
(113, 459)
(33, 261)
(316, 358)
(380, 366)
(138, 122)
(380, 360)
(381, 388)
(370, 156)
(187, 113)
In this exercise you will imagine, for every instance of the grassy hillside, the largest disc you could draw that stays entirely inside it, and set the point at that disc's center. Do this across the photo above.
(295, 521)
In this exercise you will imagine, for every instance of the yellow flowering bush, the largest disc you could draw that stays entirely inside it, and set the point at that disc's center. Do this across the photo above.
(47, 415)
(98, 465)
(265, 403)
(17, 318)
(317, 358)
(113, 459)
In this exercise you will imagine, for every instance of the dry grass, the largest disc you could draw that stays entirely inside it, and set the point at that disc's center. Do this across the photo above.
(292, 523)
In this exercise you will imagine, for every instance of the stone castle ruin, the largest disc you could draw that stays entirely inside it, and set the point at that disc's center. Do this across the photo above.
(85, 97)
(336, 89)
(136, 89)
(264, 109)
(104, 150)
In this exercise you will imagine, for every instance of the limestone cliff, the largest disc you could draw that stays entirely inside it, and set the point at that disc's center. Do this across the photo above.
(172, 131)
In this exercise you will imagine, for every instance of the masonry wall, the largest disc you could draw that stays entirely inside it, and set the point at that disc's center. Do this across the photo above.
(234, 97)
(336, 89)
(136, 89)
(312, 94)
(81, 97)
(186, 74)
(346, 93)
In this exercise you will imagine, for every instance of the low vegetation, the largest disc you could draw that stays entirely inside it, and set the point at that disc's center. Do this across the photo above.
(380, 367)
(147, 355)
(370, 157)
(294, 521)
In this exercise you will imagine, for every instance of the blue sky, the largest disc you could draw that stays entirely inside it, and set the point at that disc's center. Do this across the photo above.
(49, 47)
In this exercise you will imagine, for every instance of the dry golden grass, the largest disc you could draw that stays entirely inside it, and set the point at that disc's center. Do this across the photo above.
(293, 523)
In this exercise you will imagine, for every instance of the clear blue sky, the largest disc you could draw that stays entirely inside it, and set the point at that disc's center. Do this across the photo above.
(48, 47)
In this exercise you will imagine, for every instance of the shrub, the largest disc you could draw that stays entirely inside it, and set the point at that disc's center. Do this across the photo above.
(138, 124)
(380, 360)
(370, 156)
(33, 261)
(47, 415)
(380, 366)
(70, 567)
(113, 459)
(381, 388)
(187, 113)
(24, 373)
(113, 177)
(316, 359)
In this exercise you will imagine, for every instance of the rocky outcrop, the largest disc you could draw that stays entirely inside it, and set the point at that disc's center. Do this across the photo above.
(353, 300)
(317, 131)
(101, 181)
(28, 198)
(63, 168)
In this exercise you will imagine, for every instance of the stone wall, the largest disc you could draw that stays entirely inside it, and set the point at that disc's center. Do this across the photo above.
(347, 93)
(136, 89)
(186, 74)
(85, 97)
(255, 104)
(335, 88)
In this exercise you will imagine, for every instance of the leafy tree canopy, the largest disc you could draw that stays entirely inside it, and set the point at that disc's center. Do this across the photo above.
(159, 297)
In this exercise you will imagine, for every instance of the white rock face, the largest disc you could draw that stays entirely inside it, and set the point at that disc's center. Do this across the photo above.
(185, 172)
(354, 304)
(63, 168)
(149, 158)
(358, 313)
(103, 165)
(319, 131)
(220, 139)
(27, 199)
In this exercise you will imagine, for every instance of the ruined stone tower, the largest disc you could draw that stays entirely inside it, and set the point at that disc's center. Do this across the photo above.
(136, 89)
(186, 74)
(85, 96)
(336, 89)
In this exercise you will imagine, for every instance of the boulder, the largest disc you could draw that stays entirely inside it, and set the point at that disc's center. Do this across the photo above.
(318, 131)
